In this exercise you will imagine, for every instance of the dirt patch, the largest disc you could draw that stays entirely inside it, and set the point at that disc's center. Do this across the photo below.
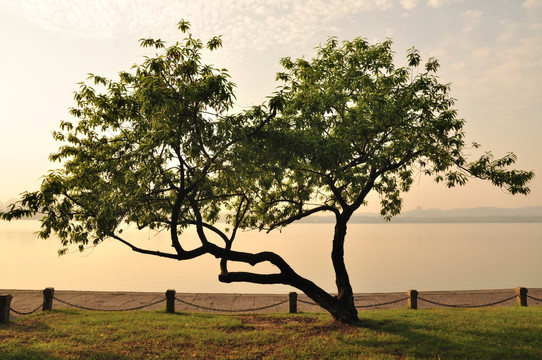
(267, 321)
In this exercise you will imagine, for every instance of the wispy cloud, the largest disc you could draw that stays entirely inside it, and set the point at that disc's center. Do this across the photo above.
(408, 4)
(247, 26)
(532, 4)
(258, 25)
(497, 69)
(277, 20)
(472, 13)
(436, 3)
(439, 3)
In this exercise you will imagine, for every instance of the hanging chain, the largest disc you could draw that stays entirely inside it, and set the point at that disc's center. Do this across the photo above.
(530, 297)
(468, 306)
(230, 310)
(26, 313)
(92, 309)
(382, 304)
(361, 306)
(307, 302)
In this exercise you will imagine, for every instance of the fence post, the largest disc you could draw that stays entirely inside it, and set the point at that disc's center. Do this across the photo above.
(412, 299)
(522, 296)
(293, 302)
(170, 301)
(5, 302)
(48, 295)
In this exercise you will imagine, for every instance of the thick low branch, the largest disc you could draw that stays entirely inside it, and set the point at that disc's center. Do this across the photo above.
(286, 276)
(249, 258)
(231, 277)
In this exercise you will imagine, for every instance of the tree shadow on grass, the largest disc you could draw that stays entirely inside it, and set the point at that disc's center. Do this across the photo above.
(404, 338)
(21, 325)
(27, 355)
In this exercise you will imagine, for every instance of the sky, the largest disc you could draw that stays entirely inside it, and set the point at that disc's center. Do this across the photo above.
(489, 50)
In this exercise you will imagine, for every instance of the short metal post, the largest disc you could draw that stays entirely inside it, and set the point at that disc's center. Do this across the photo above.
(170, 301)
(5, 304)
(412, 299)
(293, 302)
(522, 296)
(48, 295)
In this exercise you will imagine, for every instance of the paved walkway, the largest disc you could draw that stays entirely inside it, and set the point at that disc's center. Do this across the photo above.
(28, 300)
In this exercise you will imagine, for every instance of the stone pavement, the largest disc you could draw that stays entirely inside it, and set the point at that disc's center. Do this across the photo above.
(28, 300)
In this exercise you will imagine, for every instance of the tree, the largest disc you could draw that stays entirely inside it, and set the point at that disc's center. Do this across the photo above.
(157, 148)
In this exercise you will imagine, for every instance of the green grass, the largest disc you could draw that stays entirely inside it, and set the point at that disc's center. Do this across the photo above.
(495, 333)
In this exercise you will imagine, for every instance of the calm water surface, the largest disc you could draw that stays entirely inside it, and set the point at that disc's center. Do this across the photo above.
(379, 258)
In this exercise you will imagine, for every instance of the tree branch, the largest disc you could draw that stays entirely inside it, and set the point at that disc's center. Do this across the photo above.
(231, 277)
(144, 251)
(304, 214)
(174, 220)
(337, 193)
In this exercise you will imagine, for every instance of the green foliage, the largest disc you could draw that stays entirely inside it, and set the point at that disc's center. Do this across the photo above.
(353, 123)
(343, 124)
(137, 143)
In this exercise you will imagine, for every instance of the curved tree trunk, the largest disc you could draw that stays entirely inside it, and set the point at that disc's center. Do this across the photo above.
(345, 296)
(341, 310)
(341, 307)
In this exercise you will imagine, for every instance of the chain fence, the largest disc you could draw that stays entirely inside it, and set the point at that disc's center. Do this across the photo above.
(362, 306)
(530, 297)
(27, 312)
(139, 307)
(231, 310)
(383, 304)
(264, 307)
(467, 306)
(307, 302)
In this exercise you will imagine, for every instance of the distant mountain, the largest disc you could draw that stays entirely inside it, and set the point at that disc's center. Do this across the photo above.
(531, 214)
(4, 207)
(476, 212)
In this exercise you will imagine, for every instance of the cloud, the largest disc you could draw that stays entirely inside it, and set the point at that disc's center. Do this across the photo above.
(436, 3)
(408, 4)
(472, 13)
(247, 26)
(503, 70)
(110, 19)
(532, 4)
(439, 3)
(508, 30)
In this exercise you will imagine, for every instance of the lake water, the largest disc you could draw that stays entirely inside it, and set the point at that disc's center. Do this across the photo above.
(379, 258)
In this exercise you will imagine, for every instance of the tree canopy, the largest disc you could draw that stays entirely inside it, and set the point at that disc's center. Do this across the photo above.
(160, 148)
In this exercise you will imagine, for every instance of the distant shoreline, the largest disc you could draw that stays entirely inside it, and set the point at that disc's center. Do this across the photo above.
(433, 220)
(481, 215)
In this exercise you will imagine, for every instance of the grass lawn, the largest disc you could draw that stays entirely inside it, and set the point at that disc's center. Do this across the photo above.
(494, 333)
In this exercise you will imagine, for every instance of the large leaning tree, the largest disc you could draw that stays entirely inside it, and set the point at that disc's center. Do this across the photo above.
(159, 148)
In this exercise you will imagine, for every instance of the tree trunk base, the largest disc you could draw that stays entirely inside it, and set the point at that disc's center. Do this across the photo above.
(345, 315)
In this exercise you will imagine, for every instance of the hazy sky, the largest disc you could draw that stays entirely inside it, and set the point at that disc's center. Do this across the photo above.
(491, 52)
